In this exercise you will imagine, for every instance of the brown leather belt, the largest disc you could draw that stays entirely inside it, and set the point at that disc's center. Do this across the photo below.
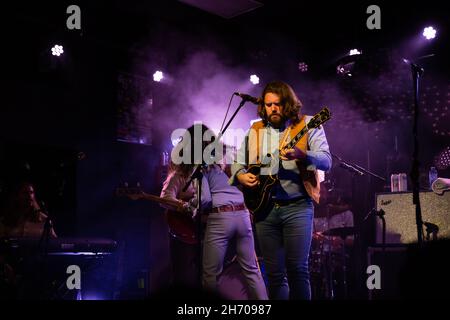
(229, 208)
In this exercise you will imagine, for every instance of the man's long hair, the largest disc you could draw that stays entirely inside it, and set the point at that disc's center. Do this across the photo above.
(290, 102)
(185, 169)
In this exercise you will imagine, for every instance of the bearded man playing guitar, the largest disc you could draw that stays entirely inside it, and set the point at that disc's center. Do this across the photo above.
(287, 149)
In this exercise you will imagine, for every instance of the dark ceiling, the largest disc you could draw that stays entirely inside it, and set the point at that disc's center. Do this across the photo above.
(125, 35)
(316, 31)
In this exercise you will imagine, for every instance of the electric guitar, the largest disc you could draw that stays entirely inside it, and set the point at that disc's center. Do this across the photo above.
(257, 199)
(181, 225)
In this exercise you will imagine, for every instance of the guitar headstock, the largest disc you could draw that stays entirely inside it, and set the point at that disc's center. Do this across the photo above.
(134, 193)
(321, 117)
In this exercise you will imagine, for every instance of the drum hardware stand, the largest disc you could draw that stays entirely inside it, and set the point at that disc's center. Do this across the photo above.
(344, 267)
(329, 266)
(379, 213)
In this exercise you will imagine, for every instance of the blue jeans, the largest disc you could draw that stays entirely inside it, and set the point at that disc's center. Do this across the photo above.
(285, 240)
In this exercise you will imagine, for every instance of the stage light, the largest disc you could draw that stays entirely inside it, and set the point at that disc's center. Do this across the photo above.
(158, 76)
(346, 65)
(345, 69)
(354, 51)
(303, 67)
(254, 79)
(429, 33)
(57, 50)
(92, 296)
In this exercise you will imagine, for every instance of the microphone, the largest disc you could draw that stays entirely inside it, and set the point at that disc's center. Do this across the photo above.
(351, 168)
(431, 229)
(247, 97)
(431, 226)
(81, 155)
(43, 207)
(414, 66)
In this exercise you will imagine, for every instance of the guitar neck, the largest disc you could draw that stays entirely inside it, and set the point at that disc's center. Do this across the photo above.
(296, 139)
(315, 122)
(152, 197)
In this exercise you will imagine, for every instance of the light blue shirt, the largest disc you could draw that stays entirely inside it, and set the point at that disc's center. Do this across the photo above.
(290, 186)
(216, 191)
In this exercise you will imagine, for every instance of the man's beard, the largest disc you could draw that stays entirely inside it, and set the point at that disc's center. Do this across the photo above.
(276, 121)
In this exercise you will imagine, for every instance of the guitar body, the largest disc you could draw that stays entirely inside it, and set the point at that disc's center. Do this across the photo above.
(257, 199)
(182, 226)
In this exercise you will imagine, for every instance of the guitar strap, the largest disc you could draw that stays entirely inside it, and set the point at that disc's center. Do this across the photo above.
(254, 145)
(309, 178)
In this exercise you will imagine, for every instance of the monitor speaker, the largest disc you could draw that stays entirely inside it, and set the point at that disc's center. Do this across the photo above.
(400, 216)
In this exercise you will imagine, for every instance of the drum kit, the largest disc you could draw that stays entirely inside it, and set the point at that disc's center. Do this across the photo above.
(332, 236)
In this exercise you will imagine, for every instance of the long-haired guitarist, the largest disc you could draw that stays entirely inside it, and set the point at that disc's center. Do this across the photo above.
(183, 248)
(286, 177)
(228, 218)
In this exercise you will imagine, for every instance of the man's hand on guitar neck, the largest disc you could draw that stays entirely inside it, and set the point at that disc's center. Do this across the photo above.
(177, 205)
(292, 154)
(248, 179)
(189, 209)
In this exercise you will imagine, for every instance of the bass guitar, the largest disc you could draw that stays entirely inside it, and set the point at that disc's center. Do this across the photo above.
(180, 223)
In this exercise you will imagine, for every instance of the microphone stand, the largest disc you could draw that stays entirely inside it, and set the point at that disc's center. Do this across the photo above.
(45, 236)
(197, 174)
(353, 167)
(416, 73)
(357, 170)
(241, 104)
(380, 213)
(198, 167)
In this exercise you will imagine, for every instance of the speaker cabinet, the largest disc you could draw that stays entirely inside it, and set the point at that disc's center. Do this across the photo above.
(400, 215)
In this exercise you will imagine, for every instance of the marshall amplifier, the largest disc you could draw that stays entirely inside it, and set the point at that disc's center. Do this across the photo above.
(400, 215)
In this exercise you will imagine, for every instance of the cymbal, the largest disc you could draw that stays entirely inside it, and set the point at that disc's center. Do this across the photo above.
(327, 210)
(338, 208)
(342, 232)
